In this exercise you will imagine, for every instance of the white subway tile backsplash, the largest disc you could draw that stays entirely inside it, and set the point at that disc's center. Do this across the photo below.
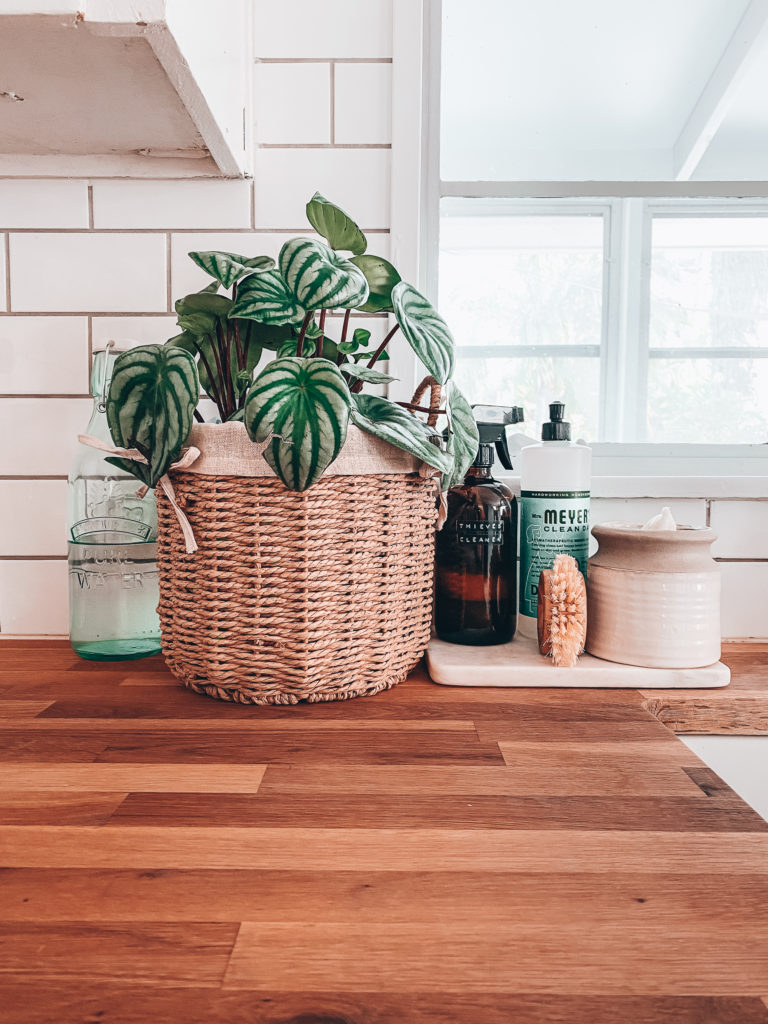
(40, 434)
(172, 204)
(128, 331)
(42, 529)
(43, 204)
(337, 28)
(187, 277)
(741, 527)
(363, 103)
(355, 179)
(34, 597)
(88, 273)
(744, 605)
(43, 355)
(292, 104)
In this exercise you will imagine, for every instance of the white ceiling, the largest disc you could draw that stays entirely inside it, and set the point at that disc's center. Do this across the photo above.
(605, 90)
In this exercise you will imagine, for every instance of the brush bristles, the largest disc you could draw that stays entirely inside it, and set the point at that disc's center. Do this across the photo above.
(568, 625)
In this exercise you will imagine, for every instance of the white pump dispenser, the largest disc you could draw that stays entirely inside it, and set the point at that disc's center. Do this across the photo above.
(554, 508)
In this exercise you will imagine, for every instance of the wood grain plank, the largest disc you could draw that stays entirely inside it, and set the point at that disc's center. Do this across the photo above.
(431, 897)
(600, 960)
(163, 954)
(745, 716)
(421, 780)
(297, 747)
(23, 709)
(315, 810)
(58, 808)
(253, 725)
(68, 1002)
(568, 772)
(134, 778)
(383, 849)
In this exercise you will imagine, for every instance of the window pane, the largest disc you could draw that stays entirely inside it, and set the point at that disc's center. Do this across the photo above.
(709, 282)
(514, 283)
(708, 401)
(534, 383)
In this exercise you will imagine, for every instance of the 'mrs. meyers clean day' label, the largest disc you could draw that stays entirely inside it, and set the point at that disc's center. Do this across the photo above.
(551, 523)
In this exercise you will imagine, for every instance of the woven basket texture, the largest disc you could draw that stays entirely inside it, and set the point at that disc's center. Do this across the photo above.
(320, 595)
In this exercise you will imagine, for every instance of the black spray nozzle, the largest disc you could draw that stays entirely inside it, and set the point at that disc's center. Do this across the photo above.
(556, 429)
(492, 422)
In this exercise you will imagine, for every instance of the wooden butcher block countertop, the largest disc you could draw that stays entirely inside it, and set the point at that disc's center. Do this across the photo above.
(430, 855)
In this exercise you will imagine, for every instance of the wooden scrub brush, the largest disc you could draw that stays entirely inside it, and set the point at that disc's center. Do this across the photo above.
(562, 612)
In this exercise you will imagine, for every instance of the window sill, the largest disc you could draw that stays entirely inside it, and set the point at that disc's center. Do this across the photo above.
(722, 487)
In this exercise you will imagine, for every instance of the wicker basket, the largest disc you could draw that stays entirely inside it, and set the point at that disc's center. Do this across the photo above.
(320, 595)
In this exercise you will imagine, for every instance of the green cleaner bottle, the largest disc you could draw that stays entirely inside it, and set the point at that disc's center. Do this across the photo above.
(554, 509)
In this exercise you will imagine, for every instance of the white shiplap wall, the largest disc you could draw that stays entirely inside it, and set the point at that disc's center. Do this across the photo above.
(85, 261)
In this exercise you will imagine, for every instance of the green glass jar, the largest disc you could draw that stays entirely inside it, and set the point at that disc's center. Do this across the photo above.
(113, 586)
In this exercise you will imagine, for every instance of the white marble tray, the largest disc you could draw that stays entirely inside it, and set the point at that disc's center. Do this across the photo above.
(519, 663)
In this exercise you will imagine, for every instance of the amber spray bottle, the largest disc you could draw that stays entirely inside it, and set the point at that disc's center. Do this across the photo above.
(476, 556)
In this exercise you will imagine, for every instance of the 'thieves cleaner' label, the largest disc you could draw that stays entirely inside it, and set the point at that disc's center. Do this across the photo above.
(551, 523)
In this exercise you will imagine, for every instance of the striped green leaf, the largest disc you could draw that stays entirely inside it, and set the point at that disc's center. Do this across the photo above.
(463, 439)
(151, 402)
(228, 267)
(381, 418)
(382, 278)
(337, 227)
(370, 376)
(303, 406)
(266, 297)
(197, 313)
(426, 331)
(319, 278)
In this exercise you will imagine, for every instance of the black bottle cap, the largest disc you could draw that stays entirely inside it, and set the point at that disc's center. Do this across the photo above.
(556, 429)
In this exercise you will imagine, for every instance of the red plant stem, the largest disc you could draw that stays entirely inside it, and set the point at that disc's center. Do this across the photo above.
(420, 408)
(198, 417)
(241, 363)
(382, 346)
(239, 348)
(322, 333)
(212, 389)
(224, 343)
(302, 332)
(347, 314)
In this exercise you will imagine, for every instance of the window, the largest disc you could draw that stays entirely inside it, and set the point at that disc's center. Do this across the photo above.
(649, 319)
(602, 224)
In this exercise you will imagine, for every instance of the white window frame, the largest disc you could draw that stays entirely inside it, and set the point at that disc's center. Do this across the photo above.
(417, 189)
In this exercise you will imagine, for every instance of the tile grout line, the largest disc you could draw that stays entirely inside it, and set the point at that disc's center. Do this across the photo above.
(327, 145)
(252, 195)
(324, 60)
(708, 513)
(90, 207)
(7, 249)
(194, 231)
(168, 281)
(333, 102)
(33, 558)
(90, 349)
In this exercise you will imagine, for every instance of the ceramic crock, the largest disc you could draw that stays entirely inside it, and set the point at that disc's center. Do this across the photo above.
(654, 597)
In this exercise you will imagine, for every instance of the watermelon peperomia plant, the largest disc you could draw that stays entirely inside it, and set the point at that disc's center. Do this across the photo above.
(301, 401)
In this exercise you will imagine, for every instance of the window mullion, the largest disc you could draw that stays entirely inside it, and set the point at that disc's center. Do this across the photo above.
(624, 382)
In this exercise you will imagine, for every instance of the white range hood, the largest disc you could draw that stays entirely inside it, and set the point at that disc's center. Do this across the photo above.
(140, 88)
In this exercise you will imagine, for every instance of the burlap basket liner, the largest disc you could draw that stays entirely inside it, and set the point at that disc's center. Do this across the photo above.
(320, 595)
